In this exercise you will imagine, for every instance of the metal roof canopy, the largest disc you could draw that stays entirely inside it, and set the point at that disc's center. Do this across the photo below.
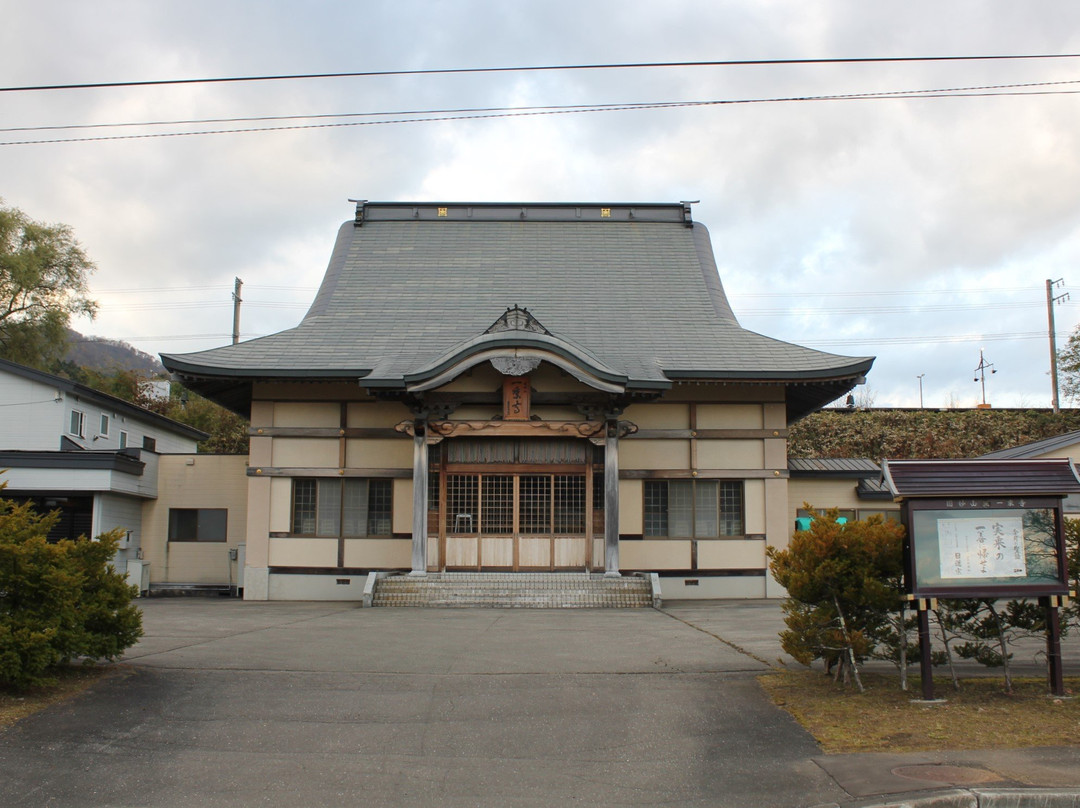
(911, 479)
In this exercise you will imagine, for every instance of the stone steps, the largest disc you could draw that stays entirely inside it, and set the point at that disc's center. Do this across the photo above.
(524, 590)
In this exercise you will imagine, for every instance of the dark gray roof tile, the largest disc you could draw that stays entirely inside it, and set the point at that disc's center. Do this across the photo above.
(641, 295)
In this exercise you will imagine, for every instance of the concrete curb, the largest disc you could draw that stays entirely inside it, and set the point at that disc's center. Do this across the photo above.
(972, 798)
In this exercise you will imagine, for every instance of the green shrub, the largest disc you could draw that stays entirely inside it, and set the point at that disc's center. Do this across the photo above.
(843, 582)
(58, 601)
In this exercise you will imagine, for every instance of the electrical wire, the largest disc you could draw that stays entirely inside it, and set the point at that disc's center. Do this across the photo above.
(541, 68)
(983, 91)
(484, 110)
(925, 340)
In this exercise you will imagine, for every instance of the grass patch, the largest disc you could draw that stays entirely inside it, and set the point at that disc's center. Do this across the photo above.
(884, 719)
(71, 681)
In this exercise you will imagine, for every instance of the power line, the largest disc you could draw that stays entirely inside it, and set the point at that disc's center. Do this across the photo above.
(481, 110)
(539, 68)
(929, 340)
(915, 309)
(512, 112)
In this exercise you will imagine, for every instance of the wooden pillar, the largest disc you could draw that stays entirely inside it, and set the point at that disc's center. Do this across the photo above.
(611, 500)
(1053, 646)
(926, 667)
(420, 499)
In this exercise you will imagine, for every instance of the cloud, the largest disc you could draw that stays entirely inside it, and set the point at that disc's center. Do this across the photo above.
(962, 202)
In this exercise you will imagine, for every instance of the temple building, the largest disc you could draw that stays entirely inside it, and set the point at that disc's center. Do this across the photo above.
(518, 387)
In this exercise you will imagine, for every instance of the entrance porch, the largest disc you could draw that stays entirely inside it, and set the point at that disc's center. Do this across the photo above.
(528, 590)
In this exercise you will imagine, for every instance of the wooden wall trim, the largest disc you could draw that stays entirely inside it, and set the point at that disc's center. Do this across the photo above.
(390, 432)
(703, 474)
(278, 471)
(324, 432)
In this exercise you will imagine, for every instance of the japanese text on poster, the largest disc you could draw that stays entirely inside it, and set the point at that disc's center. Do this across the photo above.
(982, 547)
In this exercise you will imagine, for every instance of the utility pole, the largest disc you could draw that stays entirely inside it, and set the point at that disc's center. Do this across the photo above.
(236, 310)
(920, 378)
(981, 370)
(1050, 301)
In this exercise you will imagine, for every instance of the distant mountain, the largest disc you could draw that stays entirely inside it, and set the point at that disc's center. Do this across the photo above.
(101, 354)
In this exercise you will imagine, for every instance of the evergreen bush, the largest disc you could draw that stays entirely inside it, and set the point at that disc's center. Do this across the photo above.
(58, 601)
(843, 582)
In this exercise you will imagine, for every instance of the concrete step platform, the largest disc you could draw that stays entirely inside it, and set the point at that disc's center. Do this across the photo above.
(511, 590)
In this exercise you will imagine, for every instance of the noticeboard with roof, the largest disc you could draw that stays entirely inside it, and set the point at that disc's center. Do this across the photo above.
(983, 528)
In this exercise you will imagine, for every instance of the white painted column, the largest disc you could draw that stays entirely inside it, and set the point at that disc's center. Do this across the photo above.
(611, 500)
(420, 499)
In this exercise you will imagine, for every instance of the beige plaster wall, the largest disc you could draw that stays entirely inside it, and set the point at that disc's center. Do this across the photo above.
(724, 393)
(305, 452)
(378, 553)
(731, 554)
(258, 522)
(310, 413)
(721, 586)
(262, 413)
(374, 414)
(658, 554)
(631, 506)
(821, 494)
(659, 416)
(195, 481)
(280, 504)
(775, 453)
(294, 552)
(775, 415)
(729, 416)
(730, 454)
(754, 505)
(654, 454)
(378, 453)
(403, 506)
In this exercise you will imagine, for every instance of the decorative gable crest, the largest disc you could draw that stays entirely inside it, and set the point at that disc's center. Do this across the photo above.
(517, 319)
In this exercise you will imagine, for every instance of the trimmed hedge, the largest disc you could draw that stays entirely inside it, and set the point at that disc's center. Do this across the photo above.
(923, 434)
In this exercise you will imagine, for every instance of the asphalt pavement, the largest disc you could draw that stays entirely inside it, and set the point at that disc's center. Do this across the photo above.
(225, 702)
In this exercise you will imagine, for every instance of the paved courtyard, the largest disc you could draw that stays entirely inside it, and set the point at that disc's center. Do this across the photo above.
(317, 704)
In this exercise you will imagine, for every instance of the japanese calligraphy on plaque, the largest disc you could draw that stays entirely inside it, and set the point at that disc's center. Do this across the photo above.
(516, 395)
(982, 547)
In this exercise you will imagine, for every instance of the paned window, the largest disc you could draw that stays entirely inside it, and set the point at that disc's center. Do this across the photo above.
(569, 503)
(497, 505)
(77, 425)
(104, 427)
(701, 509)
(544, 504)
(198, 524)
(461, 501)
(352, 507)
(535, 504)
(123, 439)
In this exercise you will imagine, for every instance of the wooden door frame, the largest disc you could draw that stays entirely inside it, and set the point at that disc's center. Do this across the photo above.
(516, 471)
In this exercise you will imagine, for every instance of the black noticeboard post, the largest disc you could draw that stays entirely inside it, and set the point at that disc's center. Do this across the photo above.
(984, 529)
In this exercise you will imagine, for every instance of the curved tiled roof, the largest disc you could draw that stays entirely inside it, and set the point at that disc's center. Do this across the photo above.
(635, 288)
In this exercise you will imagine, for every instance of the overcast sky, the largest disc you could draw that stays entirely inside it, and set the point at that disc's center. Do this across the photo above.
(915, 230)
